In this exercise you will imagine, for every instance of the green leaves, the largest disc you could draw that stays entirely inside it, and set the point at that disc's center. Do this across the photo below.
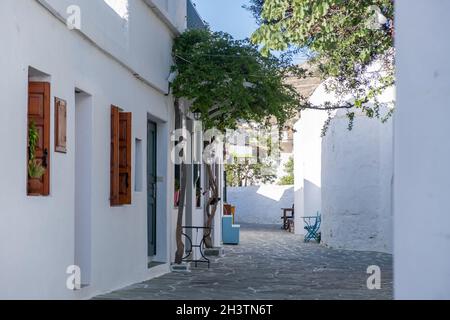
(229, 80)
(35, 168)
(33, 139)
(345, 37)
(336, 30)
(288, 179)
(244, 172)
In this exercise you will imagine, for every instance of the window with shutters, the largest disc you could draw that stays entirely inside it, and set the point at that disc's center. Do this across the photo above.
(38, 142)
(121, 185)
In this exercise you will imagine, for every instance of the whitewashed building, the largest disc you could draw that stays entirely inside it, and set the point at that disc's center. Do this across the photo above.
(346, 176)
(96, 92)
(422, 151)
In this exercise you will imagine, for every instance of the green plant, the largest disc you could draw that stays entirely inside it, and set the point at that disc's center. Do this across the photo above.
(288, 179)
(35, 169)
(243, 173)
(177, 185)
(33, 138)
(229, 81)
(350, 42)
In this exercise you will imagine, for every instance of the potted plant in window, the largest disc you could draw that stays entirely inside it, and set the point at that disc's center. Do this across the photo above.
(35, 168)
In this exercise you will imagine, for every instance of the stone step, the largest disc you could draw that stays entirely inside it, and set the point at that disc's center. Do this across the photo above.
(213, 252)
(182, 268)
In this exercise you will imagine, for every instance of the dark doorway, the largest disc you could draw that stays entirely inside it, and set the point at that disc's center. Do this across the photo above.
(151, 186)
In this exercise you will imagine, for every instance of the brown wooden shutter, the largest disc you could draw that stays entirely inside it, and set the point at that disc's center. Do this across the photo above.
(121, 167)
(60, 125)
(125, 158)
(114, 197)
(39, 114)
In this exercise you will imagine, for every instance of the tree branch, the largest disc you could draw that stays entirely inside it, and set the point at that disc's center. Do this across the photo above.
(327, 108)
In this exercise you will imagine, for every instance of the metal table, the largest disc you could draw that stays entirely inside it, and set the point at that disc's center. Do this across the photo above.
(189, 257)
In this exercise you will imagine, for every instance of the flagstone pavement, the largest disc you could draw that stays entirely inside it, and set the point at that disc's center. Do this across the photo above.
(271, 264)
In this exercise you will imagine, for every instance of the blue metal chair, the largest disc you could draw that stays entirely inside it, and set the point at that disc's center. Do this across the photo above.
(230, 231)
(312, 226)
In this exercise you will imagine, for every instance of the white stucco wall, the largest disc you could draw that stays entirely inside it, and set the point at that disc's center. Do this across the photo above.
(422, 151)
(346, 176)
(37, 234)
(129, 41)
(307, 164)
(260, 204)
(119, 6)
(357, 171)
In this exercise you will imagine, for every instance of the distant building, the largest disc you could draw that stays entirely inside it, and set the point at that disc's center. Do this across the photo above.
(346, 176)
(194, 20)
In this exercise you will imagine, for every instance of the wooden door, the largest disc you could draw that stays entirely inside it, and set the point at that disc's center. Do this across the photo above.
(120, 193)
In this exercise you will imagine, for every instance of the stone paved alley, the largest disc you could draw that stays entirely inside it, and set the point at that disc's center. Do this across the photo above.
(271, 264)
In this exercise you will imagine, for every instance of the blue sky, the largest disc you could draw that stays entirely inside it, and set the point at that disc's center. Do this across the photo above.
(230, 17)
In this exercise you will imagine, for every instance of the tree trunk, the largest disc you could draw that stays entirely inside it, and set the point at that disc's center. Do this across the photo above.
(179, 232)
(212, 205)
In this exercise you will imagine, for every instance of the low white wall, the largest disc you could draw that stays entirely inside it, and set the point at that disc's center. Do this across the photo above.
(260, 204)
(357, 173)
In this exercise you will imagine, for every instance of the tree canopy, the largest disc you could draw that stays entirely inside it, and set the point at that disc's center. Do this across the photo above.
(344, 39)
(229, 80)
(288, 179)
(243, 173)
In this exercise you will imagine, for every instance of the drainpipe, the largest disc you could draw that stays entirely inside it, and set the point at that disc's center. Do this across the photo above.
(225, 194)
